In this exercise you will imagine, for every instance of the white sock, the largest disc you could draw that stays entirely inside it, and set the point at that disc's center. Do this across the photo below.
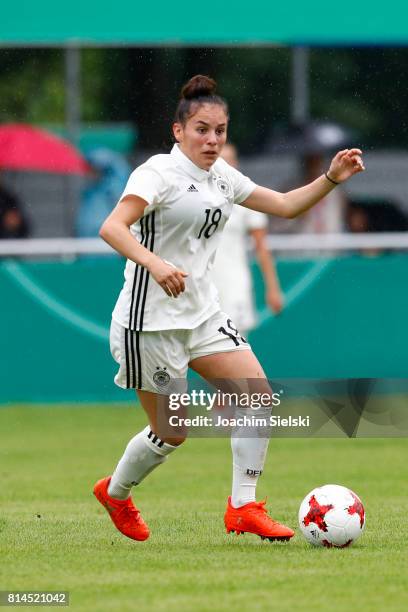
(249, 456)
(143, 454)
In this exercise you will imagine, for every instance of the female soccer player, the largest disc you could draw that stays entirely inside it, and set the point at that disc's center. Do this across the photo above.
(167, 317)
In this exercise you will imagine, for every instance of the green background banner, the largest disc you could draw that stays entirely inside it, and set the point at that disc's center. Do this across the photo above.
(344, 318)
(230, 22)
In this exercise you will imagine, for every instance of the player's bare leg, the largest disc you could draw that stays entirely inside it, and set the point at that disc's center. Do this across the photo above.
(243, 513)
(157, 410)
(232, 365)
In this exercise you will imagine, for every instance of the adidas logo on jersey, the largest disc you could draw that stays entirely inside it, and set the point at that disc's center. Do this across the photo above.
(192, 188)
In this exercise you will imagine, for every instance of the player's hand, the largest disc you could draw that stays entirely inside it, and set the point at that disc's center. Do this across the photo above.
(170, 278)
(274, 299)
(346, 163)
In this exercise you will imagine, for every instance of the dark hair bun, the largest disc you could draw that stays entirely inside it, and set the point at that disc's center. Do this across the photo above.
(198, 86)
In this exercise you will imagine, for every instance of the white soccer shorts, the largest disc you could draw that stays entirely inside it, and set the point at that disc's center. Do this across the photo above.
(157, 361)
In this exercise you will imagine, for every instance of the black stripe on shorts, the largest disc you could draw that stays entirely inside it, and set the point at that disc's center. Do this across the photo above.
(133, 360)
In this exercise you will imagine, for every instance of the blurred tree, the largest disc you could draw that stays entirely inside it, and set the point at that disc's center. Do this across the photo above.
(151, 88)
(256, 83)
(363, 88)
(32, 85)
(148, 83)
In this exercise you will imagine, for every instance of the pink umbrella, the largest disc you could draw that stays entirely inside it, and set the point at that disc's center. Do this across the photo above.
(23, 147)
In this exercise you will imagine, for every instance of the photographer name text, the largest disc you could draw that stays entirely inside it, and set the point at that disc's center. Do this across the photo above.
(244, 421)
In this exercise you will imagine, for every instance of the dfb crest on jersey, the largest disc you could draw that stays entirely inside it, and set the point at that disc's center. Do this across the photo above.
(161, 377)
(224, 187)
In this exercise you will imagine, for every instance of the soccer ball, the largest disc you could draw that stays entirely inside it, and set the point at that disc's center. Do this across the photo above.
(331, 516)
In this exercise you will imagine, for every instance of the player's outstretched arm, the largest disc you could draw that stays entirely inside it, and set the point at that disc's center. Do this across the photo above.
(293, 203)
(115, 231)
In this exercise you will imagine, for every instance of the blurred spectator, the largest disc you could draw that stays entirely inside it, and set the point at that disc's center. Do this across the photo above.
(369, 215)
(13, 223)
(104, 188)
(231, 271)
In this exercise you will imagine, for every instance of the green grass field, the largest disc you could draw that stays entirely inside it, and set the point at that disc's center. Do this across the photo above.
(55, 536)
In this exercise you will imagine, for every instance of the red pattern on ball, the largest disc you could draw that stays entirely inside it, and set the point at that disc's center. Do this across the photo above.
(317, 513)
(357, 508)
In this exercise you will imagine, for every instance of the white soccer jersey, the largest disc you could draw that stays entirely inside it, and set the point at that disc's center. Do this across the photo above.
(187, 210)
(231, 272)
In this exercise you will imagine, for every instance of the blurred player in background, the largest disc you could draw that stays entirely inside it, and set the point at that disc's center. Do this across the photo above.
(168, 225)
(232, 273)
